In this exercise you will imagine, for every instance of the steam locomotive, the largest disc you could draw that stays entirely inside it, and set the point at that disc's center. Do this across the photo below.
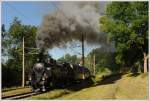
(51, 73)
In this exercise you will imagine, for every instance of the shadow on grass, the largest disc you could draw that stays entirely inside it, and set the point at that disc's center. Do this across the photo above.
(109, 79)
(89, 83)
(133, 75)
(60, 95)
(66, 90)
(83, 84)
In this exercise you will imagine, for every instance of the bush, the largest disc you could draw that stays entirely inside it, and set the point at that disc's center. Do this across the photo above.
(11, 77)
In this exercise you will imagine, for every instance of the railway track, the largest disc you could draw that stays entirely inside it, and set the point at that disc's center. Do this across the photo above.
(20, 96)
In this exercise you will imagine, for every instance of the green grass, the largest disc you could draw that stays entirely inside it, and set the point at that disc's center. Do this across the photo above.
(120, 87)
(92, 93)
(133, 87)
(16, 91)
(13, 88)
(51, 95)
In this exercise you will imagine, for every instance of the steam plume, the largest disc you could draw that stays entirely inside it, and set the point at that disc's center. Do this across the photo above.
(69, 22)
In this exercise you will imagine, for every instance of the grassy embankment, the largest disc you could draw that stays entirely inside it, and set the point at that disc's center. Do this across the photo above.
(13, 88)
(126, 86)
(14, 91)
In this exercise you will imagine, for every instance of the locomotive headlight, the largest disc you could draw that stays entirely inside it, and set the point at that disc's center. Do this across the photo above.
(43, 78)
(39, 65)
(48, 68)
(30, 78)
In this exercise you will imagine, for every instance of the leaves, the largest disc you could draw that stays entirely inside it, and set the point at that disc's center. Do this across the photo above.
(12, 44)
(126, 24)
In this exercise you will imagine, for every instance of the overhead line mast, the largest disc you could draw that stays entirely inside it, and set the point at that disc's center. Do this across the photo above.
(23, 69)
(82, 41)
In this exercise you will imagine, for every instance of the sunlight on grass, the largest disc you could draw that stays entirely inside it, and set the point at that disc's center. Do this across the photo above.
(12, 88)
(133, 87)
(92, 93)
(16, 91)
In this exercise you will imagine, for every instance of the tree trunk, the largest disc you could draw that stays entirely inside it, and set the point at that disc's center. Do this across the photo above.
(145, 62)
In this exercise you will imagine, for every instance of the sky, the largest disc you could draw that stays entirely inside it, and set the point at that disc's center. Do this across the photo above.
(32, 13)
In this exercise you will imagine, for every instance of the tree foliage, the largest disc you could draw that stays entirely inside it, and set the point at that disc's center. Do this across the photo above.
(126, 24)
(103, 60)
(69, 58)
(13, 65)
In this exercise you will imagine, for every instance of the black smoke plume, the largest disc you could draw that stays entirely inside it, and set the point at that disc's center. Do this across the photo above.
(69, 22)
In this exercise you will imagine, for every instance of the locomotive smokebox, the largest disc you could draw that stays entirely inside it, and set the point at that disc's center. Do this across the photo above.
(42, 55)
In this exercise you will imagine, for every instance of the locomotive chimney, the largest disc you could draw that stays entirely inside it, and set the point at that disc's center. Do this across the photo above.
(41, 55)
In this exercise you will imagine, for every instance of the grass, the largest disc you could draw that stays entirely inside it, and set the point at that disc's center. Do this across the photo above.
(16, 91)
(11, 88)
(51, 95)
(126, 87)
(133, 87)
(121, 87)
(92, 93)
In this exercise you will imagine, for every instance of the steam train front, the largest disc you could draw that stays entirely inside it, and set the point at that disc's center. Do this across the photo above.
(38, 77)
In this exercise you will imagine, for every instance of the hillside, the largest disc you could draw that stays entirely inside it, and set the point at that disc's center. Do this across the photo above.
(126, 86)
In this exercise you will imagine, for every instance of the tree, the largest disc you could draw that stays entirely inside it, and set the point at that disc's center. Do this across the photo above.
(3, 42)
(14, 51)
(103, 60)
(69, 58)
(126, 24)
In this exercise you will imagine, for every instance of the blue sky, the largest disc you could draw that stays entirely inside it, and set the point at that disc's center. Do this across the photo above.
(31, 13)
(28, 12)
